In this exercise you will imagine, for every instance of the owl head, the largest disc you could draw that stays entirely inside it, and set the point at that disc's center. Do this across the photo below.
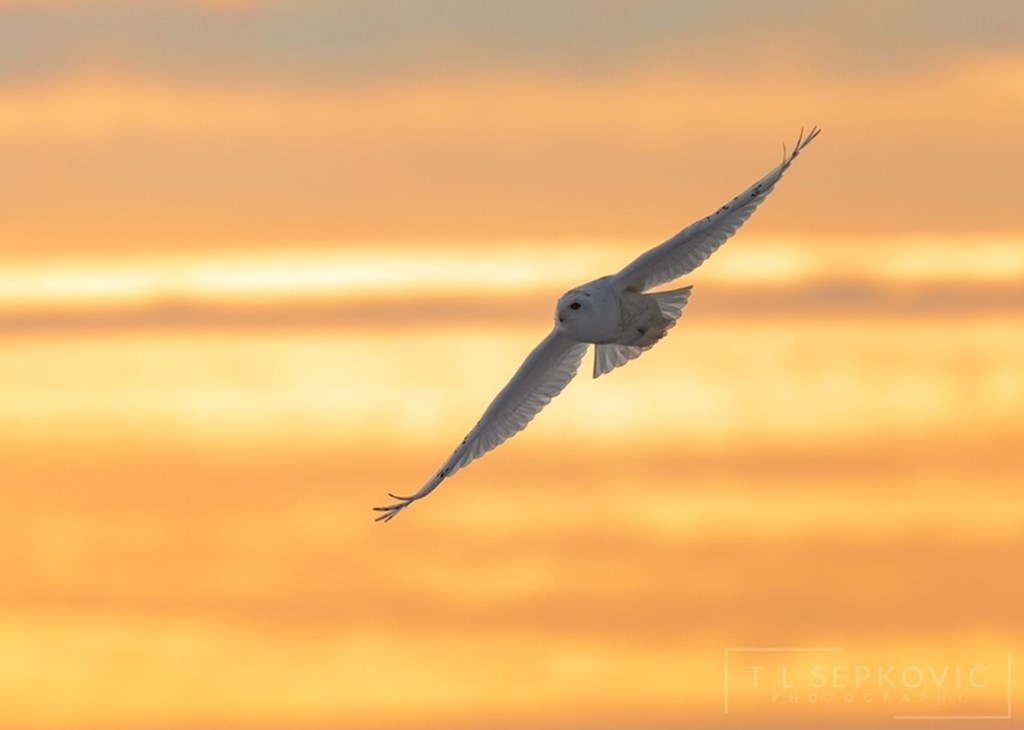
(588, 313)
(573, 306)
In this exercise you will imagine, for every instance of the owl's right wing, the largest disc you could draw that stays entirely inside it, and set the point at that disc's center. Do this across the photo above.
(543, 375)
(688, 249)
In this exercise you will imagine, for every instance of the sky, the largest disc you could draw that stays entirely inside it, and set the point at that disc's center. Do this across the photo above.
(264, 262)
(196, 125)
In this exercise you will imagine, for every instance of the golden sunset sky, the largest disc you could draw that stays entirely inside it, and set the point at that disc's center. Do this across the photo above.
(263, 262)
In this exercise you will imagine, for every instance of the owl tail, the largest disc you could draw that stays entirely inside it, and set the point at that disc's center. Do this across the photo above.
(671, 303)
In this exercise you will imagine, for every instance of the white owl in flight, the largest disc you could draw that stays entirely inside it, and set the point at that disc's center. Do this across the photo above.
(613, 313)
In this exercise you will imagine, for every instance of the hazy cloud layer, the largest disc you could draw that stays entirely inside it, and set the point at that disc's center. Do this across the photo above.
(146, 126)
(363, 41)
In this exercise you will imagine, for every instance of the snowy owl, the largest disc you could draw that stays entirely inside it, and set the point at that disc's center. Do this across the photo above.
(613, 313)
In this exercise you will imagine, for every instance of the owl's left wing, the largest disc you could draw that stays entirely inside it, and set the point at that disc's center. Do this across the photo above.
(543, 375)
(688, 249)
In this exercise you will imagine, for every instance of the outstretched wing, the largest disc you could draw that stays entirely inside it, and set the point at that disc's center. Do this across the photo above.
(688, 249)
(543, 375)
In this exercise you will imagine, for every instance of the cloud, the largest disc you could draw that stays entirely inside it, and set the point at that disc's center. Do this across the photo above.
(140, 162)
(270, 121)
(359, 41)
(828, 298)
(655, 103)
(426, 283)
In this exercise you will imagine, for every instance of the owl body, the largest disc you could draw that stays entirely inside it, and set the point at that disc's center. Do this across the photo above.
(598, 313)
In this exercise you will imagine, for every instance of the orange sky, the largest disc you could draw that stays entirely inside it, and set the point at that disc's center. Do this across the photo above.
(263, 262)
(271, 123)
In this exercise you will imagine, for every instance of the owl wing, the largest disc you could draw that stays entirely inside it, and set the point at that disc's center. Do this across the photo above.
(688, 249)
(543, 375)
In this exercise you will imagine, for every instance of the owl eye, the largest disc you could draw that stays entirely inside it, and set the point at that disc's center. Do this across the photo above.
(574, 305)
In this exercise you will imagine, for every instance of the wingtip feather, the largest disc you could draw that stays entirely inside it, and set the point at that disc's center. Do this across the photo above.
(391, 510)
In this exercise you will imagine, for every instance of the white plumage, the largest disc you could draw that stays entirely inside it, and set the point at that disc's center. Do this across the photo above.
(613, 313)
